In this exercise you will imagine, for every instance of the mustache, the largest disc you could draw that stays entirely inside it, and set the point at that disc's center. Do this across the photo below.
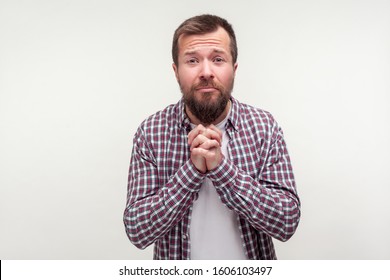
(208, 83)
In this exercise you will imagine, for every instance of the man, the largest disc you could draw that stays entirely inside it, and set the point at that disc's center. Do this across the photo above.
(210, 177)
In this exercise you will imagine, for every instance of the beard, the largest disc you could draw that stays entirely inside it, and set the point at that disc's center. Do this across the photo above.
(207, 108)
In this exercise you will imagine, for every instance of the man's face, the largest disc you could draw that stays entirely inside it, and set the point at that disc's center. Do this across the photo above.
(205, 73)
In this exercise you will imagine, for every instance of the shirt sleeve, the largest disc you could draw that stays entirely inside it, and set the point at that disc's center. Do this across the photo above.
(153, 208)
(270, 202)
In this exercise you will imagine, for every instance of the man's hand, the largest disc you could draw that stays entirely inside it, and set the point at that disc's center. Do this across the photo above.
(205, 146)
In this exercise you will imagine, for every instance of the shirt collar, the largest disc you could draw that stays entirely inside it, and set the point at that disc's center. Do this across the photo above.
(235, 116)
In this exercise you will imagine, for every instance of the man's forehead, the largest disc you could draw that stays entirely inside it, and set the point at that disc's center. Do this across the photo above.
(218, 41)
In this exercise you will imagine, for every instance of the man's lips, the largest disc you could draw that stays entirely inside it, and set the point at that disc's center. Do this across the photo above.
(206, 89)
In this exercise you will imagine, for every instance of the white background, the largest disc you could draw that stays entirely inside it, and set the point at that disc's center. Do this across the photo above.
(77, 77)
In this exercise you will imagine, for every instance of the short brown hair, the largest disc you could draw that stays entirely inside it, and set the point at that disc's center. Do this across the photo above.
(201, 25)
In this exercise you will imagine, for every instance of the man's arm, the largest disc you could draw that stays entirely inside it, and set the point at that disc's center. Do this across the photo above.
(270, 203)
(153, 209)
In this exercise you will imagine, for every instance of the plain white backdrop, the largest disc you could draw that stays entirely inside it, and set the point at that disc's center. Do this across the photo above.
(77, 77)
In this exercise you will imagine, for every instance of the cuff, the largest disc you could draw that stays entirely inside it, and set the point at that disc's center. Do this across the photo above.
(189, 177)
(224, 174)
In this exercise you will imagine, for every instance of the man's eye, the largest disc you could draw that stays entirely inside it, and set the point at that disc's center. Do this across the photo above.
(219, 59)
(192, 61)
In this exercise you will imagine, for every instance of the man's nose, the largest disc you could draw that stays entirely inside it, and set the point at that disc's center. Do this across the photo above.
(206, 71)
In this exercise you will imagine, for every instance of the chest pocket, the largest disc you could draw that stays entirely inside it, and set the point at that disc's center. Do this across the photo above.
(173, 155)
(245, 153)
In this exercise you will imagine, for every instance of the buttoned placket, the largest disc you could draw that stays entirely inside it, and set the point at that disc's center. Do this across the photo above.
(232, 133)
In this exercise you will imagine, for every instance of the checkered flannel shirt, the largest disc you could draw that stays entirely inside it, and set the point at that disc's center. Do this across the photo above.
(256, 182)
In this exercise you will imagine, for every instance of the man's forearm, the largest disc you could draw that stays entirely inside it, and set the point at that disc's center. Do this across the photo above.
(269, 208)
(149, 217)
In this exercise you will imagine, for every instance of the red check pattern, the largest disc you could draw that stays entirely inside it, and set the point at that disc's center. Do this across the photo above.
(256, 182)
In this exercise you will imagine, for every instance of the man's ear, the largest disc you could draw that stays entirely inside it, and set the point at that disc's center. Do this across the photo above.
(235, 68)
(175, 69)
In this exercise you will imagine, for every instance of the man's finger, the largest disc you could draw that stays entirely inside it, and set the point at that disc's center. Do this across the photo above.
(195, 132)
(198, 141)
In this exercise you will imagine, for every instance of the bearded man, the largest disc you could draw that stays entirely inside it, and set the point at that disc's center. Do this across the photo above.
(210, 177)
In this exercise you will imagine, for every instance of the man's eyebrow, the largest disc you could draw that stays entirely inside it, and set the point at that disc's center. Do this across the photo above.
(220, 51)
(191, 52)
(195, 51)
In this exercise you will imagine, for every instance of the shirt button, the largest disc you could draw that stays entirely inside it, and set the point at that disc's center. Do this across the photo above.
(184, 236)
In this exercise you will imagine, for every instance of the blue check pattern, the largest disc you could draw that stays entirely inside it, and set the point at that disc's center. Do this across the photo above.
(256, 181)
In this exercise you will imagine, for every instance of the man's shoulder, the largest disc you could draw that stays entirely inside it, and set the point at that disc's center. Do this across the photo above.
(256, 122)
(252, 111)
(255, 116)
(162, 118)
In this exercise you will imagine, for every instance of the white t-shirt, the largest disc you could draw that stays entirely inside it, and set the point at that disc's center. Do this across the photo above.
(214, 232)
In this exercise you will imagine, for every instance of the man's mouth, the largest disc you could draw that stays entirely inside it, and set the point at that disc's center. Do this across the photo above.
(206, 89)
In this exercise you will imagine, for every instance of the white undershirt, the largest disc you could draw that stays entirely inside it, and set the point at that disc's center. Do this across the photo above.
(214, 231)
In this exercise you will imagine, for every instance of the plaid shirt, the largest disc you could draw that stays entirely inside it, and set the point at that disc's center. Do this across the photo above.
(256, 182)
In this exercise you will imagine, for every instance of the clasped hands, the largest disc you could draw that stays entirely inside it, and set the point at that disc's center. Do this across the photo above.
(205, 146)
